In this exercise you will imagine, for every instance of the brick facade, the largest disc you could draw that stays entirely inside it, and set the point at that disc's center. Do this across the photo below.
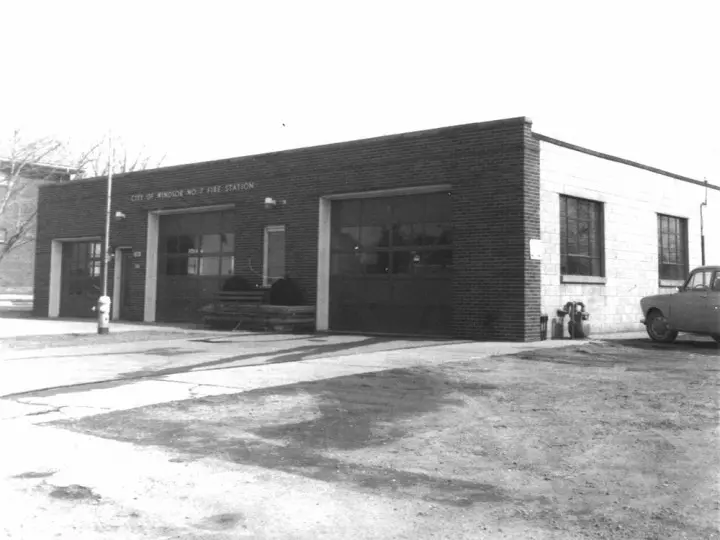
(492, 169)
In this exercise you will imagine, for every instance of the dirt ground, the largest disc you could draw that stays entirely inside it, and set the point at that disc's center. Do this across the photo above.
(608, 440)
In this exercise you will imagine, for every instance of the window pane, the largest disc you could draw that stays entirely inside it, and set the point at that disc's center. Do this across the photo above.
(227, 242)
(572, 238)
(209, 266)
(345, 263)
(186, 244)
(584, 210)
(177, 266)
(571, 208)
(437, 233)
(433, 262)
(583, 238)
(377, 262)
(402, 261)
(192, 265)
(407, 234)
(346, 239)
(373, 236)
(228, 266)
(210, 243)
(579, 266)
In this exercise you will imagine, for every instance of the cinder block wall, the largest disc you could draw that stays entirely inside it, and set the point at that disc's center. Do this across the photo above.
(632, 199)
(492, 168)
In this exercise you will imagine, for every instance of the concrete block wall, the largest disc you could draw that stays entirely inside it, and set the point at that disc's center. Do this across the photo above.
(632, 199)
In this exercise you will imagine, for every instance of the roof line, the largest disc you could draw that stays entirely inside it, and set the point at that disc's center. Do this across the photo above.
(249, 157)
(624, 161)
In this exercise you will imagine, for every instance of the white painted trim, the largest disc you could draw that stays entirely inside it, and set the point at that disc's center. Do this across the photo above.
(55, 288)
(268, 229)
(117, 280)
(151, 263)
(151, 251)
(55, 278)
(322, 308)
(418, 190)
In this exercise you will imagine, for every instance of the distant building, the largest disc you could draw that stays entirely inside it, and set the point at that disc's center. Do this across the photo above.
(17, 266)
(470, 231)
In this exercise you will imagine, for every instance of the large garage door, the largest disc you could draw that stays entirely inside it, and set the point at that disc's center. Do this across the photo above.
(391, 265)
(195, 256)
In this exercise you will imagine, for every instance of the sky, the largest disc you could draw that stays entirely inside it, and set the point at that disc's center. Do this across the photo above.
(195, 81)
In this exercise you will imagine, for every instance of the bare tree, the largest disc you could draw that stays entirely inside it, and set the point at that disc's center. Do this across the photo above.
(28, 163)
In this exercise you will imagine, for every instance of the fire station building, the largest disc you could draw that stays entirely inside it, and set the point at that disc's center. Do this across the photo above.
(470, 231)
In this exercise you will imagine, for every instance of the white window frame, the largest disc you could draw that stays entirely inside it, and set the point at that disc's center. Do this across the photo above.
(269, 229)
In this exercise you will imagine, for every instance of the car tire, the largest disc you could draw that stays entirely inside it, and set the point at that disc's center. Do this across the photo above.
(657, 327)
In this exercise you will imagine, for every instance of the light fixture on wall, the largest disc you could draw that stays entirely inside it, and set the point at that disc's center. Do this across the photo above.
(271, 203)
(120, 216)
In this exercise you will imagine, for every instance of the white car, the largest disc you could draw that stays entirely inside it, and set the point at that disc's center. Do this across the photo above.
(695, 308)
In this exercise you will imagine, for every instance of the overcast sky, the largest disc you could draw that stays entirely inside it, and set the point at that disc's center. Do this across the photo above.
(208, 79)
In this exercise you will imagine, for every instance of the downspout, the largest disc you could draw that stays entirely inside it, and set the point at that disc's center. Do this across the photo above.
(702, 226)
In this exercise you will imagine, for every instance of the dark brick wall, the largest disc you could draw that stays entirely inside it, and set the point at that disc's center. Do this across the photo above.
(492, 168)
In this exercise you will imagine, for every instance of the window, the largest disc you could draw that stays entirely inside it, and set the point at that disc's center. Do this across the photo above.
(699, 281)
(274, 255)
(581, 237)
(672, 247)
(200, 255)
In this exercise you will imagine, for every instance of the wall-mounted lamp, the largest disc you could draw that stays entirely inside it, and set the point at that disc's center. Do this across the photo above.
(119, 216)
(271, 203)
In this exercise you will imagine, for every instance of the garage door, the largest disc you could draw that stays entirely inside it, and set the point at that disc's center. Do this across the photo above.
(195, 256)
(81, 278)
(391, 263)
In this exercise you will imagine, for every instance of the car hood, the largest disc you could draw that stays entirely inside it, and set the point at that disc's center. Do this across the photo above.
(656, 298)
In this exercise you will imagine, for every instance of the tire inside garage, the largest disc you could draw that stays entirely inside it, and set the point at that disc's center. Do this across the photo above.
(391, 265)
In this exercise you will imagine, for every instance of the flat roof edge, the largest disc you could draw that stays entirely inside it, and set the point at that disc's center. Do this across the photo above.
(601, 155)
(393, 136)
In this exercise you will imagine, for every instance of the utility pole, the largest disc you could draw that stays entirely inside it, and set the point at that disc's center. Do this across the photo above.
(103, 308)
(703, 205)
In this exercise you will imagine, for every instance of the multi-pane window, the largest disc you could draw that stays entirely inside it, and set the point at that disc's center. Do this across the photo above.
(399, 236)
(200, 255)
(83, 259)
(581, 237)
(672, 247)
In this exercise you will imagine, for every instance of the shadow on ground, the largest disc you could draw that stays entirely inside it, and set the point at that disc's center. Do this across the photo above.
(306, 422)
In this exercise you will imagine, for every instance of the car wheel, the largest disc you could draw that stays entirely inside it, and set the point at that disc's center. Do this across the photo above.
(658, 329)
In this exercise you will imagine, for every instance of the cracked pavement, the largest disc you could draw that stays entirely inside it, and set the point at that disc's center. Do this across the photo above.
(139, 492)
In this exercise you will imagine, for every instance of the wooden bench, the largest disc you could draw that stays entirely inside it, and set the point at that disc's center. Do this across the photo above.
(235, 306)
(251, 310)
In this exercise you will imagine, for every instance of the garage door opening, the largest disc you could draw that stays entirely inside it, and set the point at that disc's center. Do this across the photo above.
(391, 265)
(196, 254)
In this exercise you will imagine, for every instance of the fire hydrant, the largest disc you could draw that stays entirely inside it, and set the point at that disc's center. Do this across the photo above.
(577, 325)
(103, 312)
